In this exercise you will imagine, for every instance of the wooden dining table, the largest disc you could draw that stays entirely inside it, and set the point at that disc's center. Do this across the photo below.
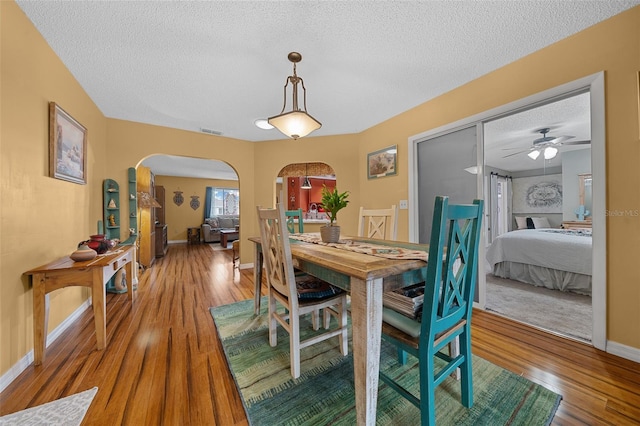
(365, 277)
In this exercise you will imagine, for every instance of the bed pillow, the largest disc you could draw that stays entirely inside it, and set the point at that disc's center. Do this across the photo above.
(521, 222)
(530, 224)
(540, 222)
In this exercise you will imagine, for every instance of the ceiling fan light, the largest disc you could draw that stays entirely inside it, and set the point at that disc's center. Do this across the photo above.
(534, 154)
(550, 152)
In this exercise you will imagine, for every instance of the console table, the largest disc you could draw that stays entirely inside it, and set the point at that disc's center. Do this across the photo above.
(64, 272)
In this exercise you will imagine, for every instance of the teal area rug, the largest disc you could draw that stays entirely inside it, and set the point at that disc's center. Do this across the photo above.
(68, 411)
(324, 393)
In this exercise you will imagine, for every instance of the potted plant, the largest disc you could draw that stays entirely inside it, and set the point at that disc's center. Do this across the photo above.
(332, 202)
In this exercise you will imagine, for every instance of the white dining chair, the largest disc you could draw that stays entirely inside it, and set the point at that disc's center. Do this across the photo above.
(378, 223)
(298, 294)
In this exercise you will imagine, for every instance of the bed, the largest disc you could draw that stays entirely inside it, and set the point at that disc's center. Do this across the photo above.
(558, 259)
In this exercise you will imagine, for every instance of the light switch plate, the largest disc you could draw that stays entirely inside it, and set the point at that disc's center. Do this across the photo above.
(403, 205)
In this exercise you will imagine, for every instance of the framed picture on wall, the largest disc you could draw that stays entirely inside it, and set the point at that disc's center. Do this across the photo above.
(382, 163)
(67, 146)
(537, 194)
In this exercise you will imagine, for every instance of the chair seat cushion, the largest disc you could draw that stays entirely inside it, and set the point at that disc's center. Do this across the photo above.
(310, 287)
(401, 322)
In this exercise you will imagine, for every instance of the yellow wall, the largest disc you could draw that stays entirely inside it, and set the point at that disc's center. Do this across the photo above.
(130, 143)
(43, 218)
(179, 218)
(612, 46)
(339, 152)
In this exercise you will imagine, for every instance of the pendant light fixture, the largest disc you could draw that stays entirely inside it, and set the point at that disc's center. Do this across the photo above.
(296, 123)
(305, 182)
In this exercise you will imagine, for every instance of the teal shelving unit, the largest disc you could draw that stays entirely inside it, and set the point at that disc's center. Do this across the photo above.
(111, 209)
(132, 198)
(112, 223)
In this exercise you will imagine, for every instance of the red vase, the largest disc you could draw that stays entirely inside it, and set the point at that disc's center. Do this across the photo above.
(98, 243)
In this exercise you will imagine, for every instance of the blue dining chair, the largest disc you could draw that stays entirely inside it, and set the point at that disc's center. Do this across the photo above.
(446, 311)
(291, 215)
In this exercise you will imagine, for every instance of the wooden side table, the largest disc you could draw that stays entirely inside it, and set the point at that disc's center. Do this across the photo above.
(228, 234)
(236, 254)
(93, 274)
(577, 224)
(193, 235)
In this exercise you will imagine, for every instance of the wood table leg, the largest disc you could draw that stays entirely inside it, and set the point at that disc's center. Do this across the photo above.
(257, 277)
(129, 269)
(98, 300)
(366, 314)
(40, 318)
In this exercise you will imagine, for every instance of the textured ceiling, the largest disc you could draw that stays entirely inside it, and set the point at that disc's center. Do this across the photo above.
(220, 65)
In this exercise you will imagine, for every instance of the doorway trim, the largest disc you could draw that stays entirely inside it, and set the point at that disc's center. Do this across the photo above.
(595, 85)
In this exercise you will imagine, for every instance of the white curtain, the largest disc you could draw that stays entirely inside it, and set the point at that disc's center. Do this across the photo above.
(509, 214)
(494, 202)
(500, 204)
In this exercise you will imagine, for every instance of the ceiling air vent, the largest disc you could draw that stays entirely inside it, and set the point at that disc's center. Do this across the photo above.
(210, 131)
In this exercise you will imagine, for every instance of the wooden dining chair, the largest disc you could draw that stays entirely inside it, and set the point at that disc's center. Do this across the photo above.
(446, 310)
(299, 295)
(378, 223)
(291, 216)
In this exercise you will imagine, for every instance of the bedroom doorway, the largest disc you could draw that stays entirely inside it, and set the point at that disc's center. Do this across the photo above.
(531, 273)
(592, 85)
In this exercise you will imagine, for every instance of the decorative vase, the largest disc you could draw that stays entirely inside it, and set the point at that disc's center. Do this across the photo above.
(98, 243)
(330, 234)
(83, 253)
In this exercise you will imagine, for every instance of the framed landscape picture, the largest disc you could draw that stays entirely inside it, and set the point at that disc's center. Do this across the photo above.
(382, 163)
(67, 146)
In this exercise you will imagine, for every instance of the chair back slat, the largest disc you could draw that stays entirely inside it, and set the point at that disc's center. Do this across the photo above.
(451, 283)
(276, 251)
(378, 223)
(291, 216)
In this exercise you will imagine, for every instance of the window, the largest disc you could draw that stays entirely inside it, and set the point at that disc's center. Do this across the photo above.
(222, 201)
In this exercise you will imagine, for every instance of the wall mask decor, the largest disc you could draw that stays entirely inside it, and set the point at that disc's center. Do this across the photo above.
(178, 199)
(195, 202)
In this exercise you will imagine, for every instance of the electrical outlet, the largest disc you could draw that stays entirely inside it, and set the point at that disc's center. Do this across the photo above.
(403, 205)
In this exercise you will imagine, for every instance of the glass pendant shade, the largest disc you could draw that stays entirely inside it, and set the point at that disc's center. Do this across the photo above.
(534, 154)
(295, 124)
(550, 152)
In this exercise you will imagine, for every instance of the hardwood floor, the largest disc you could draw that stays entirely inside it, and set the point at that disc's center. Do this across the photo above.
(163, 364)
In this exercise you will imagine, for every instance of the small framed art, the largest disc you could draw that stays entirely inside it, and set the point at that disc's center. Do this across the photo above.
(382, 163)
(67, 146)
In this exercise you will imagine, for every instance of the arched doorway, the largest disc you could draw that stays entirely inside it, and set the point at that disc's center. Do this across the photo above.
(184, 182)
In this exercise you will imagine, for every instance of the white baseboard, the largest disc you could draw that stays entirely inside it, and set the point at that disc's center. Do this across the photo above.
(623, 351)
(27, 360)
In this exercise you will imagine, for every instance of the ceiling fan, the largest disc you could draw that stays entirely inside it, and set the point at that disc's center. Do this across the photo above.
(547, 145)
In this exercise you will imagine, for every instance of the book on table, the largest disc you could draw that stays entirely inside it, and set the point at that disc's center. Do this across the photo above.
(407, 300)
